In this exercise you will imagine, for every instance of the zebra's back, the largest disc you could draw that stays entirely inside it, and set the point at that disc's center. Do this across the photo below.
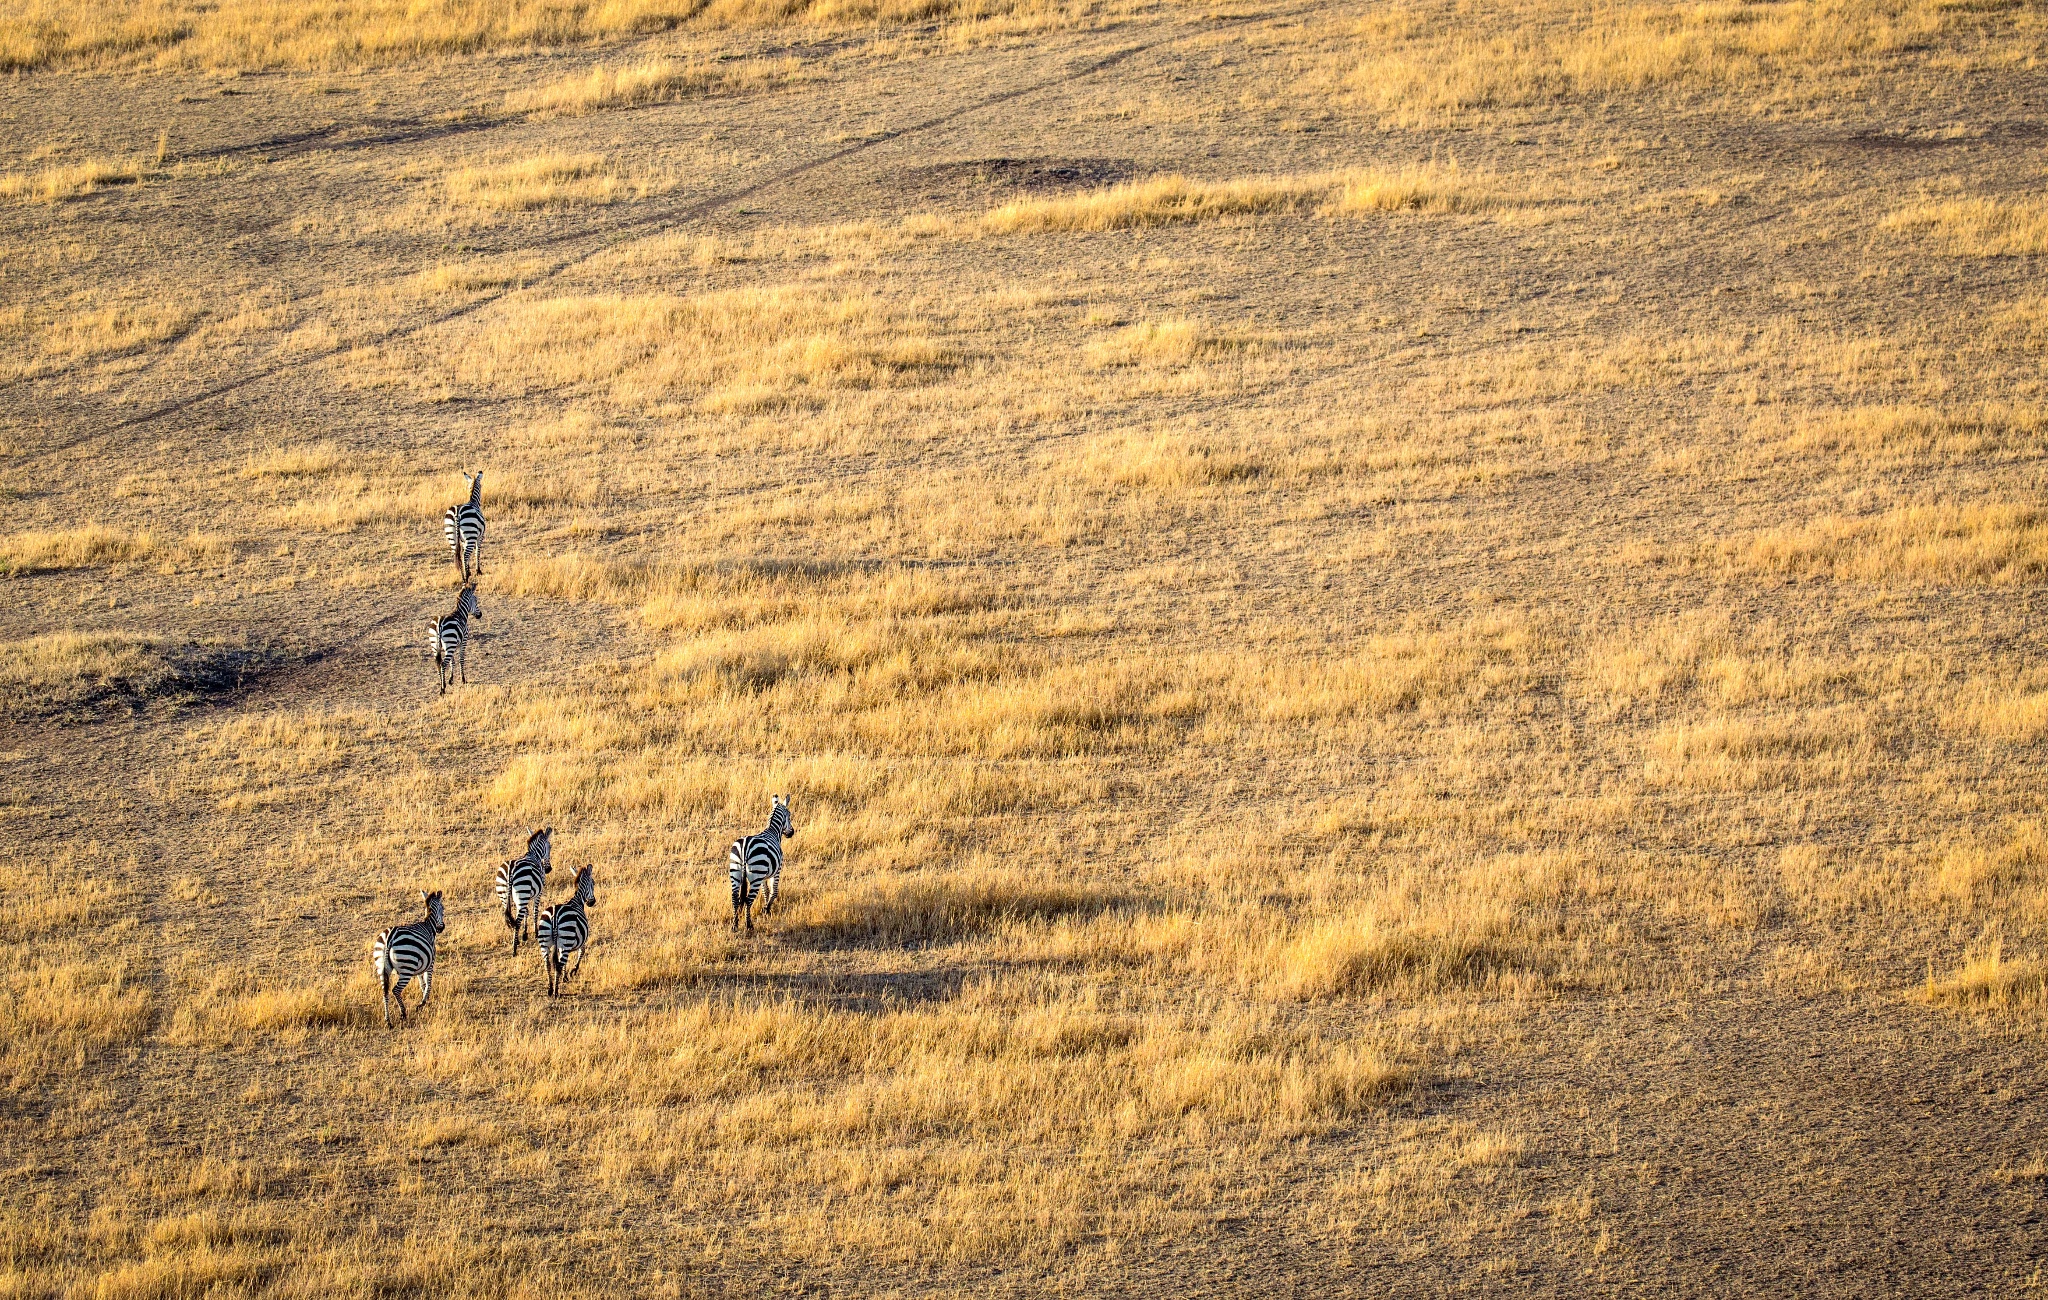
(405, 949)
(563, 929)
(519, 882)
(752, 861)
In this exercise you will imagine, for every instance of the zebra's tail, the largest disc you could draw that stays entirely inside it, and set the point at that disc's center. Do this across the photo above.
(380, 958)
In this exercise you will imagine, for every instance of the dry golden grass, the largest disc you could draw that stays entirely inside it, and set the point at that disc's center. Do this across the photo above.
(1989, 982)
(2003, 712)
(740, 350)
(1425, 66)
(1159, 201)
(72, 993)
(554, 180)
(1167, 342)
(1173, 200)
(1910, 433)
(1989, 543)
(1254, 675)
(63, 666)
(72, 548)
(70, 180)
(651, 81)
(1979, 227)
(41, 343)
(264, 34)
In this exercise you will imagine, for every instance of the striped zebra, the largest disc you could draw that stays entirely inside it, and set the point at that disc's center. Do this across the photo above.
(406, 951)
(564, 929)
(520, 881)
(755, 865)
(449, 638)
(463, 526)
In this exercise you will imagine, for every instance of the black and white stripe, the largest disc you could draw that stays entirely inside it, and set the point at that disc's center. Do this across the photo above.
(520, 881)
(564, 930)
(755, 865)
(406, 951)
(449, 637)
(463, 526)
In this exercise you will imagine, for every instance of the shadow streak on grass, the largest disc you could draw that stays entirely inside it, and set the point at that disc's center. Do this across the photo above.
(930, 913)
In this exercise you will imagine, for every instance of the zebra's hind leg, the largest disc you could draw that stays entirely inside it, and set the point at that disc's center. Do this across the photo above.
(426, 988)
(385, 974)
(398, 994)
(462, 657)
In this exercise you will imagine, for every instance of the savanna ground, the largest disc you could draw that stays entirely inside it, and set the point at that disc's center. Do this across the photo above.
(1402, 636)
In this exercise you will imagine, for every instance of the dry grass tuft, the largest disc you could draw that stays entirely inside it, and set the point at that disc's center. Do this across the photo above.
(1160, 201)
(651, 81)
(72, 548)
(1166, 343)
(1973, 874)
(1988, 982)
(1353, 955)
(70, 992)
(1979, 227)
(741, 350)
(1431, 187)
(1902, 433)
(62, 666)
(71, 180)
(265, 34)
(2003, 712)
(1989, 544)
(554, 180)
(1431, 66)
(1175, 200)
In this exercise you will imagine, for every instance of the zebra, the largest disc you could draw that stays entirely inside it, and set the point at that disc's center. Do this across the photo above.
(449, 638)
(406, 951)
(564, 929)
(463, 526)
(755, 865)
(520, 881)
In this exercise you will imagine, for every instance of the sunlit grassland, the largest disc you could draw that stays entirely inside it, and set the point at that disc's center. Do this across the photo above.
(1416, 65)
(1211, 716)
(261, 34)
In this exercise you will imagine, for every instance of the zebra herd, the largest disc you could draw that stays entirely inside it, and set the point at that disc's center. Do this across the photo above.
(562, 931)
(448, 638)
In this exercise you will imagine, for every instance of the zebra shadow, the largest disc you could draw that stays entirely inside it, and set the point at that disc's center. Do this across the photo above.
(776, 567)
(932, 913)
(866, 993)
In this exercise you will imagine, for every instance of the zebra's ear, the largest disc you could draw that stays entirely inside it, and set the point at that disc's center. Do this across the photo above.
(424, 896)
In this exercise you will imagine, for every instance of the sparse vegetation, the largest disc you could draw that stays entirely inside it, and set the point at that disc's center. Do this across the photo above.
(549, 181)
(1979, 227)
(651, 81)
(1348, 716)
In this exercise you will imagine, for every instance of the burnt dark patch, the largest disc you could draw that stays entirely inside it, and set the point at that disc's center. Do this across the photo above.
(1010, 176)
(1908, 143)
(155, 673)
